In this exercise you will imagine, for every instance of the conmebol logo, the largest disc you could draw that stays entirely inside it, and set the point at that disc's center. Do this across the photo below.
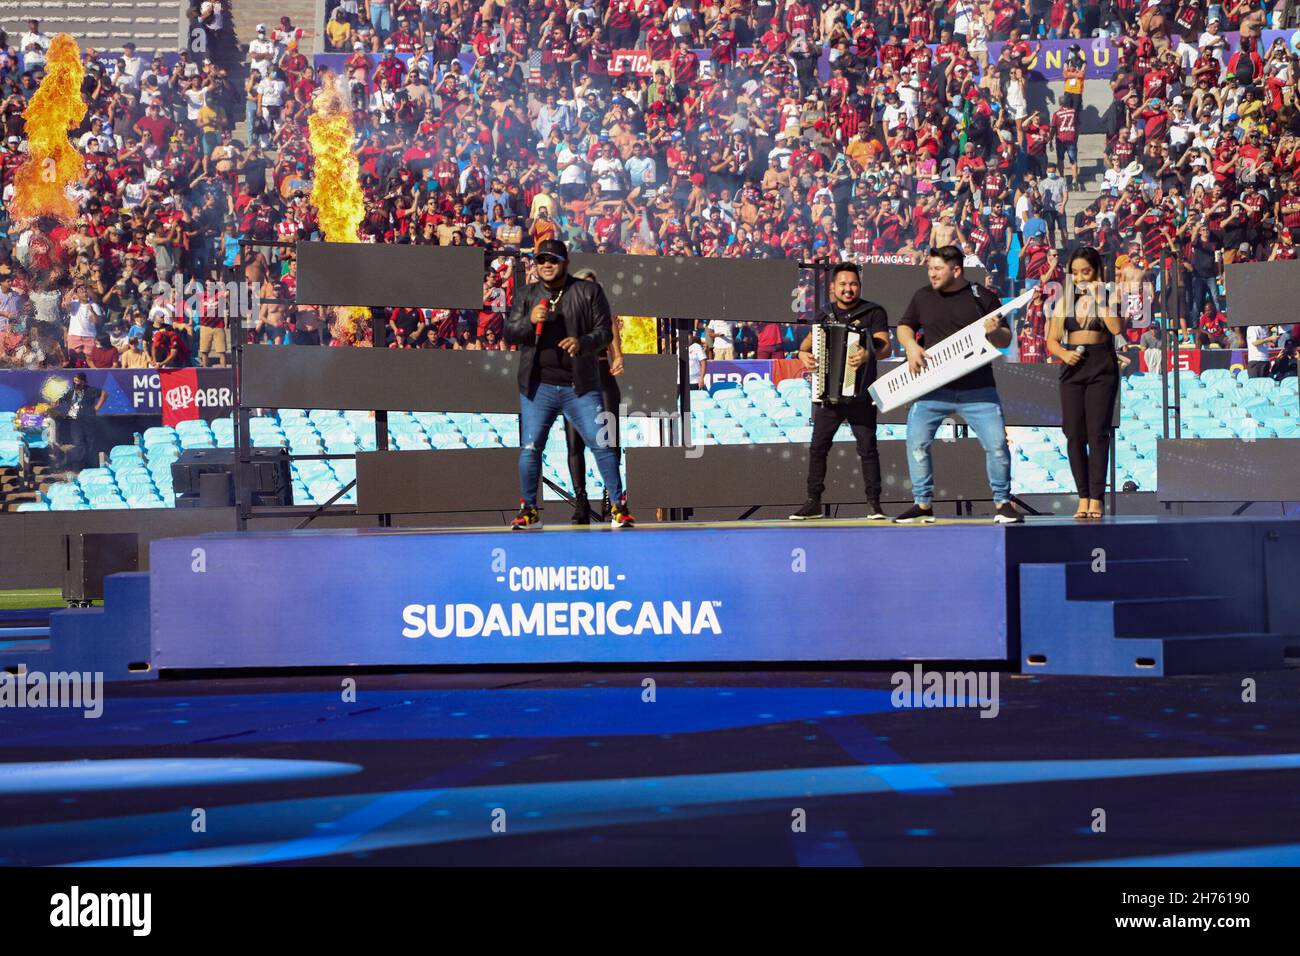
(568, 616)
(561, 619)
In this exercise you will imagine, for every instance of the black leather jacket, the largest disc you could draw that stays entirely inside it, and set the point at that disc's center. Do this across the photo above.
(585, 312)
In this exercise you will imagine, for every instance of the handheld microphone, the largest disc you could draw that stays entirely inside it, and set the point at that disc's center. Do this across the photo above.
(537, 326)
(550, 311)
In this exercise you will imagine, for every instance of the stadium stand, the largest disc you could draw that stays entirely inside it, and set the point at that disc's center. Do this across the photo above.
(152, 25)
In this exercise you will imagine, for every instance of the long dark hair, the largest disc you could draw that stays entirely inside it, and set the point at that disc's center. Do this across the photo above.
(1089, 255)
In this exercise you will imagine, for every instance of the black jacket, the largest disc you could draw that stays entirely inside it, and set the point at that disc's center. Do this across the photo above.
(585, 312)
(64, 405)
(865, 318)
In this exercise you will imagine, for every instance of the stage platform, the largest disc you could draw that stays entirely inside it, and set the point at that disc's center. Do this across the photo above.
(1127, 596)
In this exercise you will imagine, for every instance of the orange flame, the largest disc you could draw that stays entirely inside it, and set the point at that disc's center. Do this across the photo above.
(52, 163)
(336, 185)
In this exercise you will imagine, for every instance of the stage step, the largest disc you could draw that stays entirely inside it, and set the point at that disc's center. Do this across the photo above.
(1153, 577)
(1171, 616)
(113, 639)
(1117, 635)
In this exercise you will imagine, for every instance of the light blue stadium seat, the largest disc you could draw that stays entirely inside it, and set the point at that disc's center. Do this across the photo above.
(197, 441)
(411, 443)
(33, 506)
(125, 453)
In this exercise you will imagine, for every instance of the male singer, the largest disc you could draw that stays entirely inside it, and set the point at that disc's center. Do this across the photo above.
(870, 322)
(941, 309)
(561, 324)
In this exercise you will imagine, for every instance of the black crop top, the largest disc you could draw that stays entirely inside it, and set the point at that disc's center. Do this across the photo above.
(1094, 323)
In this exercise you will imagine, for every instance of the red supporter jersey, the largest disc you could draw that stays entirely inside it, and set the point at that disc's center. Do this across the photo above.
(659, 41)
(1289, 206)
(1035, 138)
(1065, 125)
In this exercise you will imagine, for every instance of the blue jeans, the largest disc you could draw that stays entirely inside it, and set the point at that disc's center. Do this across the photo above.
(381, 19)
(983, 412)
(538, 414)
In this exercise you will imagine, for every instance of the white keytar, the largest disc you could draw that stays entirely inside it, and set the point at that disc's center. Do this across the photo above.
(948, 361)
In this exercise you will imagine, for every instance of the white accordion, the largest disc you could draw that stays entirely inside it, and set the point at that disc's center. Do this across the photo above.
(947, 361)
(834, 380)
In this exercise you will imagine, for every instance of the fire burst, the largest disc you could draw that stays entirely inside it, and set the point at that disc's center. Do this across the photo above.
(52, 164)
(336, 186)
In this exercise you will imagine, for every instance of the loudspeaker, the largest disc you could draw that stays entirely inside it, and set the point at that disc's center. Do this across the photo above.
(216, 489)
(90, 557)
(204, 477)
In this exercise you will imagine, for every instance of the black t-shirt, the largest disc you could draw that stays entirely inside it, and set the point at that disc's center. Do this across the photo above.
(1204, 263)
(255, 175)
(407, 321)
(943, 314)
(555, 364)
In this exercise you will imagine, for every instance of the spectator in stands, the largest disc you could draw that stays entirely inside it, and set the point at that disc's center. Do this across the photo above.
(84, 318)
(170, 346)
(33, 45)
(1259, 340)
(103, 355)
(697, 356)
(13, 304)
(1284, 366)
(136, 354)
(721, 340)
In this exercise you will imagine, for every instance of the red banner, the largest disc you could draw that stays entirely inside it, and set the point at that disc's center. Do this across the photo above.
(178, 387)
(788, 368)
(185, 399)
(630, 61)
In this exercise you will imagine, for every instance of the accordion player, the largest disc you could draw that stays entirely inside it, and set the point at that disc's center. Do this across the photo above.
(840, 354)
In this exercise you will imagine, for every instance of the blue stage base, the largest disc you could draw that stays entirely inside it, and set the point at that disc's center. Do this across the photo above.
(1140, 597)
(671, 594)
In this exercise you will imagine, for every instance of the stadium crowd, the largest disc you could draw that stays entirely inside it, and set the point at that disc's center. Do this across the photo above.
(917, 138)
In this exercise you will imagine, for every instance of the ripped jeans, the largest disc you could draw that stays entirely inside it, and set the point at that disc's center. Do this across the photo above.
(584, 413)
(982, 412)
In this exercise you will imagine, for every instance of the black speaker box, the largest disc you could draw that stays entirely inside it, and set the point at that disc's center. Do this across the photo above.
(91, 557)
(204, 477)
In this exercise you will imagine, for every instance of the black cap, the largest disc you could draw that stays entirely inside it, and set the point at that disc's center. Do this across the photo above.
(552, 247)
